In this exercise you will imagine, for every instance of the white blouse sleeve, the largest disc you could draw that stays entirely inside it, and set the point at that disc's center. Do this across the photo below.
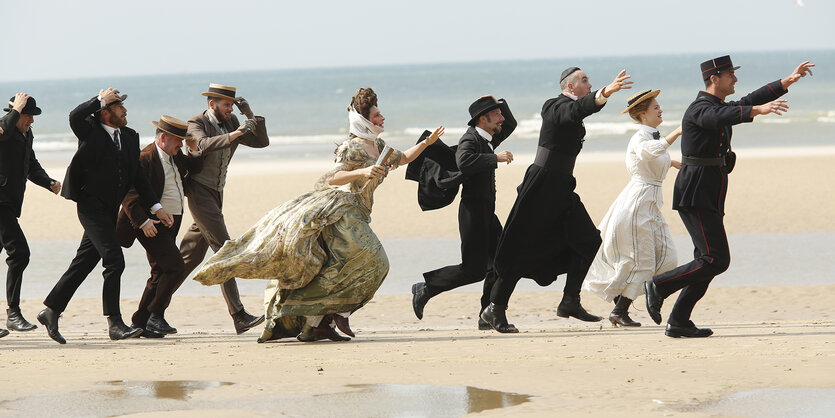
(648, 148)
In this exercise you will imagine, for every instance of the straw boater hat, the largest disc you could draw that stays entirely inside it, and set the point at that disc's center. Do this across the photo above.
(221, 92)
(172, 126)
(640, 97)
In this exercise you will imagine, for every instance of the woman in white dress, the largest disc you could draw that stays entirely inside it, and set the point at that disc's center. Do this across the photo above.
(636, 239)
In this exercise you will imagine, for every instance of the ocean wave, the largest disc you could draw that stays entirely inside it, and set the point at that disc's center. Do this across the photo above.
(829, 118)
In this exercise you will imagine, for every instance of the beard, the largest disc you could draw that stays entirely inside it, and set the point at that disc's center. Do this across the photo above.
(120, 121)
(221, 117)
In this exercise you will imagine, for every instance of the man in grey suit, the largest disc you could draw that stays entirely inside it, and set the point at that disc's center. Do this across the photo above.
(218, 134)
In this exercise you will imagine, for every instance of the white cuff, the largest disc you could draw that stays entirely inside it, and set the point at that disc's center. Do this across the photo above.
(155, 208)
(599, 99)
(101, 101)
(145, 223)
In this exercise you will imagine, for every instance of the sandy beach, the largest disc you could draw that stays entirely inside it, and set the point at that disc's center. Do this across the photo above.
(765, 336)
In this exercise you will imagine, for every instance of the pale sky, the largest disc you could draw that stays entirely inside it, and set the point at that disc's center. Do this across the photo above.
(60, 39)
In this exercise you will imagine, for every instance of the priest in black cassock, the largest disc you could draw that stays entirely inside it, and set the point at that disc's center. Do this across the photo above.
(475, 157)
(548, 231)
(702, 183)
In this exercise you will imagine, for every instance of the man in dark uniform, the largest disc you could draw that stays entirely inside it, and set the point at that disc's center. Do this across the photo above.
(701, 185)
(490, 123)
(17, 164)
(103, 169)
(548, 231)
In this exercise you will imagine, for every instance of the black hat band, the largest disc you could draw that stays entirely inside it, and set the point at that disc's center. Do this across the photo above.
(223, 92)
(637, 98)
(174, 130)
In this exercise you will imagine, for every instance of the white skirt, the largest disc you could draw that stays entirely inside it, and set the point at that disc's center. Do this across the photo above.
(636, 244)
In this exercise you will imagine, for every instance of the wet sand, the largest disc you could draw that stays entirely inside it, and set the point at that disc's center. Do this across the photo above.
(765, 336)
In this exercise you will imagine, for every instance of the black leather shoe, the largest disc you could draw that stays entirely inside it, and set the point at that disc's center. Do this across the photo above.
(623, 320)
(342, 323)
(148, 333)
(419, 298)
(483, 325)
(570, 307)
(49, 319)
(3, 332)
(687, 332)
(117, 330)
(244, 321)
(325, 331)
(653, 301)
(494, 315)
(159, 325)
(16, 322)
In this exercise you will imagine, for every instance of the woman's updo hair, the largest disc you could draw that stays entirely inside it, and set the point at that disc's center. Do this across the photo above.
(363, 101)
(639, 108)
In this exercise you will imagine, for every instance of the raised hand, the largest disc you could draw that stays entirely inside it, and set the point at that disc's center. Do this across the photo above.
(373, 171)
(435, 135)
(247, 126)
(800, 71)
(243, 106)
(19, 102)
(109, 95)
(621, 82)
(778, 107)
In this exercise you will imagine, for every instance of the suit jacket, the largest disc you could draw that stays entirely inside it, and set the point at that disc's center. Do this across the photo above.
(217, 149)
(18, 163)
(706, 133)
(94, 172)
(134, 212)
(436, 173)
(477, 161)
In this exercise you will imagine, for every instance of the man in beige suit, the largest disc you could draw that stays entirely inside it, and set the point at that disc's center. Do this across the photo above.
(218, 134)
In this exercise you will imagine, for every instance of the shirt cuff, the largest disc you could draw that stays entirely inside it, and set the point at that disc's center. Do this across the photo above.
(599, 99)
(144, 223)
(101, 101)
(155, 208)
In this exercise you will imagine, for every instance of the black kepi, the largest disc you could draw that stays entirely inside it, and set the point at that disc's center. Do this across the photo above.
(30, 109)
(717, 66)
(567, 72)
(481, 106)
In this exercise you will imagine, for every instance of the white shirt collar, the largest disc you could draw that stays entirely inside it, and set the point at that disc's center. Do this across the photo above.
(162, 155)
(109, 129)
(484, 134)
(570, 96)
(647, 129)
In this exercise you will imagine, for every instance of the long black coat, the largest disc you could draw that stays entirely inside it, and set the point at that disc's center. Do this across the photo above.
(548, 224)
(96, 166)
(18, 163)
(706, 133)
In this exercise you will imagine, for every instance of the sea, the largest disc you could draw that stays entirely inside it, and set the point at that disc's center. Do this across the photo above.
(305, 111)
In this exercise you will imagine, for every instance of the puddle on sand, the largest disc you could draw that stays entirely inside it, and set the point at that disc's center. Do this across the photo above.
(121, 397)
(772, 402)
(418, 400)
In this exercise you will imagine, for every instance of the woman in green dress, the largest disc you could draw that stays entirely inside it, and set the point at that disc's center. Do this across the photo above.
(318, 251)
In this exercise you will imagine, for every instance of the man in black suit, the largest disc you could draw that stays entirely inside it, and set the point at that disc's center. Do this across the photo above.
(491, 122)
(17, 164)
(702, 183)
(103, 169)
(548, 231)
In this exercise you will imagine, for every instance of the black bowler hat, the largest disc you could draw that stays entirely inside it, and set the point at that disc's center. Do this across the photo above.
(119, 99)
(717, 66)
(481, 106)
(568, 72)
(30, 109)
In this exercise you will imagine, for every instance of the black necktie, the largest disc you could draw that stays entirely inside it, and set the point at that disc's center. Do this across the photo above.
(656, 135)
(116, 140)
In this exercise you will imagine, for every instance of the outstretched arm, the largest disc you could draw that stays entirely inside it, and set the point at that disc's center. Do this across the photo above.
(410, 154)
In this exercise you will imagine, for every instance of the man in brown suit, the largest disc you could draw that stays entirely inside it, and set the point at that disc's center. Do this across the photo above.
(167, 168)
(218, 134)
